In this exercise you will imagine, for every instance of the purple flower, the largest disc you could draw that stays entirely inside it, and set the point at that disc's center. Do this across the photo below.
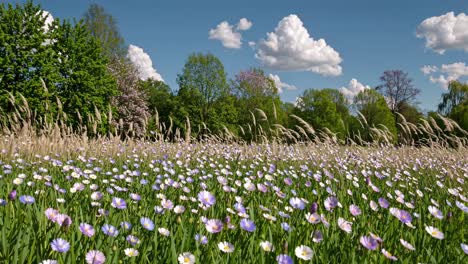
(330, 203)
(51, 214)
(60, 245)
(95, 257)
(369, 242)
(119, 203)
(404, 216)
(12, 195)
(354, 210)
(135, 196)
(202, 239)
(87, 229)
(27, 199)
(133, 240)
(126, 225)
(3, 202)
(313, 207)
(284, 259)
(63, 220)
(285, 226)
(383, 203)
(297, 203)
(247, 225)
(214, 226)
(110, 230)
(147, 223)
(206, 198)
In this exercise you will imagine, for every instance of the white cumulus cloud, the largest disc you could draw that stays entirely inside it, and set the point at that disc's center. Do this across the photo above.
(447, 73)
(291, 48)
(354, 87)
(229, 35)
(281, 85)
(142, 61)
(445, 32)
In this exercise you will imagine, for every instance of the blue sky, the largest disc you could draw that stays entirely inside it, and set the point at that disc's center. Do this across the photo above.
(368, 36)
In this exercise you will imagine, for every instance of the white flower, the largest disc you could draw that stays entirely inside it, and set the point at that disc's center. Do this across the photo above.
(313, 218)
(186, 258)
(406, 244)
(435, 212)
(434, 232)
(131, 252)
(304, 252)
(267, 246)
(163, 231)
(226, 247)
(344, 225)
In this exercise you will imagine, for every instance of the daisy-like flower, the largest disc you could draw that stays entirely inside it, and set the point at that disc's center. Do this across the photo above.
(434, 232)
(345, 225)
(226, 247)
(163, 231)
(284, 259)
(317, 236)
(406, 244)
(133, 240)
(126, 225)
(304, 252)
(27, 199)
(51, 214)
(388, 255)
(95, 257)
(369, 242)
(87, 229)
(435, 212)
(186, 258)
(131, 252)
(49, 261)
(313, 218)
(404, 216)
(118, 203)
(206, 198)
(297, 203)
(202, 239)
(214, 226)
(374, 206)
(147, 223)
(383, 203)
(60, 245)
(110, 230)
(247, 225)
(354, 210)
(267, 246)
(464, 248)
(330, 203)
(167, 204)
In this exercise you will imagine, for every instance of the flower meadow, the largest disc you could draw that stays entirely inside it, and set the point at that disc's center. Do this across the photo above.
(233, 203)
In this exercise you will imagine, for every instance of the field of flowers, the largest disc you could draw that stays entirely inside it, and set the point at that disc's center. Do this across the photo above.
(216, 203)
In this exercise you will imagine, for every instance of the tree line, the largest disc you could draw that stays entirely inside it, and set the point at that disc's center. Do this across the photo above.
(77, 73)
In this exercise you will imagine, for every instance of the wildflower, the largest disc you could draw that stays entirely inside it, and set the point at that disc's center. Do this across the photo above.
(284, 259)
(163, 231)
(135, 197)
(214, 226)
(60, 245)
(266, 246)
(388, 255)
(206, 198)
(354, 210)
(383, 203)
(110, 230)
(247, 225)
(27, 199)
(304, 252)
(87, 229)
(118, 203)
(131, 252)
(202, 239)
(297, 203)
(133, 240)
(330, 203)
(186, 258)
(3, 202)
(369, 242)
(95, 257)
(51, 214)
(435, 212)
(434, 232)
(167, 204)
(226, 247)
(12, 195)
(49, 261)
(464, 248)
(313, 218)
(126, 225)
(317, 236)
(406, 244)
(147, 223)
(344, 225)
(285, 226)
(179, 209)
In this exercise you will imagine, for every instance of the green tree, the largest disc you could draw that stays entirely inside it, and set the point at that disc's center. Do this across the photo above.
(454, 103)
(326, 108)
(26, 57)
(103, 26)
(201, 83)
(85, 84)
(376, 112)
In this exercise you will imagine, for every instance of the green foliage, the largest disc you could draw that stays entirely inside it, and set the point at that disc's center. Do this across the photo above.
(376, 112)
(201, 83)
(25, 58)
(325, 108)
(455, 103)
(103, 27)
